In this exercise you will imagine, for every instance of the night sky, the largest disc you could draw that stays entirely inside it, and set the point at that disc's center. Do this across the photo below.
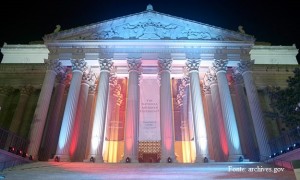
(276, 22)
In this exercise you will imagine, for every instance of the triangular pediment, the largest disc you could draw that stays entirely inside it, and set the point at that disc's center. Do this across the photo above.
(149, 25)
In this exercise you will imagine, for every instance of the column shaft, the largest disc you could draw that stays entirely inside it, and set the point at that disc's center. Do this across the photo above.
(257, 116)
(53, 123)
(65, 136)
(198, 117)
(219, 124)
(40, 114)
(229, 118)
(75, 148)
(132, 118)
(96, 146)
(166, 117)
(246, 124)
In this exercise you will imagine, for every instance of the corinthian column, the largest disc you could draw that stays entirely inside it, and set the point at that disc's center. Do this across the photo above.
(17, 118)
(244, 119)
(231, 129)
(198, 112)
(216, 118)
(96, 145)
(166, 113)
(132, 111)
(65, 136)
(40, 114)
(48, 146)
(75, 148)
(244, 68)
(4, 93)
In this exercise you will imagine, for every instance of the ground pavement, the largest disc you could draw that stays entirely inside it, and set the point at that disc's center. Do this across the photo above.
(170, 171)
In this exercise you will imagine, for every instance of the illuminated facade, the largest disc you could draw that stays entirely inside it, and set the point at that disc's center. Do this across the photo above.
(144, 87)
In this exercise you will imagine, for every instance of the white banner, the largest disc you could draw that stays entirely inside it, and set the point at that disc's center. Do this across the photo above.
(149, 125)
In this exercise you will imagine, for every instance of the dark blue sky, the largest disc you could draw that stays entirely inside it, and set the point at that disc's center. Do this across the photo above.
(276, 22)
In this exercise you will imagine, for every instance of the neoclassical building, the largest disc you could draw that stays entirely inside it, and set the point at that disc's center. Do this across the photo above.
(147, 87)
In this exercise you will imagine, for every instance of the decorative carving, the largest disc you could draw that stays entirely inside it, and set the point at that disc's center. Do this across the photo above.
(134, 65)
(89, 78)
(244, 66)
(79, 64)
(92, 89)
(105, 64)
(210, 78)
(220, 65)
(6, 90)
(54, 65)
(64, 77)
(149, 28)
(165, 64)
(206, 89)
(26, 90)
(193, 65)
(238, 78)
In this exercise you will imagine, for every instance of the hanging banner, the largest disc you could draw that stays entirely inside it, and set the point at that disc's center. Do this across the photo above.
(149, 123)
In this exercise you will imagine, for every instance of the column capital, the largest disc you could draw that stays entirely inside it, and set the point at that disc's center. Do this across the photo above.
(206, 89)
(238, 78)
(165, 64)
(220, 65)
(78, 64)
(244, 66)
(192, 65)
(89, 78)
(106, 64)
(134, 64)
(63, 77)
(210, 78)
(54, 65)
(27, 90)
(92, 89)
(6, 90)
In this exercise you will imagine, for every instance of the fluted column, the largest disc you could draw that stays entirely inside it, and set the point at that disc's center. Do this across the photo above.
(75, 148)
(244, 68)
(66, 131)
(231, 129)
(19, 112)
(4, 93)
(209, 121)
(53, 125)
(100, 112)
(40, 114)
(244, 119)
(198, 112)
(166, 113)
(132, 111)
(88, 118)
(215, 114)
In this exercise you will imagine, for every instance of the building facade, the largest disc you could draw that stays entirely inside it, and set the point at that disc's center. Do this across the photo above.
(147, 87)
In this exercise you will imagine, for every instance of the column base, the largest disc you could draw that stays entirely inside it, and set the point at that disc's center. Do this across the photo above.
(94, 159)
(203, 159)
(168, 160)
(129, 159)
(237, 158)
(61, 158)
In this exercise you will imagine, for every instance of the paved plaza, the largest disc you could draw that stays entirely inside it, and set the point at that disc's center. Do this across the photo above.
(95, 171)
